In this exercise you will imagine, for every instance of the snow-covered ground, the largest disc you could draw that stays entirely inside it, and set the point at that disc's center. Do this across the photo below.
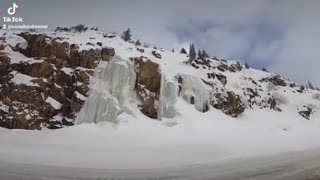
(198, 138)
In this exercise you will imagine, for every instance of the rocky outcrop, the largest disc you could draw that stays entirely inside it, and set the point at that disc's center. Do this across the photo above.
(40, 70)
(230, 104)
(40, 45)
(56, 84)
(107, 53)
(276, 80)
(147, 87)
(223, 67)
(222, 79)
(306, 113)
(156, 54)
(62, 53)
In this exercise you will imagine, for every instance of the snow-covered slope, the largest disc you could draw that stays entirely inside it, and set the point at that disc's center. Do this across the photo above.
(242, 81)
(209, 109)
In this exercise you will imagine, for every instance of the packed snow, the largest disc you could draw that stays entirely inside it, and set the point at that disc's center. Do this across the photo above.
(23, 79)
(198, 138)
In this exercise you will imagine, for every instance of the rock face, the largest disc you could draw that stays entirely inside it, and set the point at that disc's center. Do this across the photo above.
(54, 81)
(107, 53)
(148, 82)
(276, 80)
(230, 104)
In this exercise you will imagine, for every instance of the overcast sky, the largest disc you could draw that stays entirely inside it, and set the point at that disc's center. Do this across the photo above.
(282, 35)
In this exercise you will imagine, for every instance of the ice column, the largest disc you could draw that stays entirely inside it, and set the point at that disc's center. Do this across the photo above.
(168, 98)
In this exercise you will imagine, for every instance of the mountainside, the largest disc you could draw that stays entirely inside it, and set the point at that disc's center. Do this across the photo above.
(52, 80)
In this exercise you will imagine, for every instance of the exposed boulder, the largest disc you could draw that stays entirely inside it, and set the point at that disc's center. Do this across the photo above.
(156, 54)
(99, 43)
(230, 104)
(235, 67)
(306, 113)
(140, 50)
(276, 80)
(107, 53)
(43, 69)
(252, 96)
(222, 67)
(222, 79)
(149, 107)
(86, 58)
(301, 89)
(211, 75)
(292, 85)
(148, 81)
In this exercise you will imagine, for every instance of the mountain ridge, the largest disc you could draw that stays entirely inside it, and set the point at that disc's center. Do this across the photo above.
(46, 79)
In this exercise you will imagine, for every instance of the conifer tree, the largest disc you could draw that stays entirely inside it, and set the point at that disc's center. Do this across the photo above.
(126, 35)
(137, 43)
(183, 51)
(192, 53)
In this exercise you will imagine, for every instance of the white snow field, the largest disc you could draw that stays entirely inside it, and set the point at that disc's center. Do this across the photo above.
(104, 139)
(143, 143)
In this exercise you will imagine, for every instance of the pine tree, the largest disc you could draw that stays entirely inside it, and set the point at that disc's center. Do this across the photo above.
(310, 85)
(137, 43)
(172, 50)
(192, 53)
(183, 51)
(247, 65)
(264, 69)
(79, 28)
(205, 54)
(94, 28)
(126, 35)
(200, 54)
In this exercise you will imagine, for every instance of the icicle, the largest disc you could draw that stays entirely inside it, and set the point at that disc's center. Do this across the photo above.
(111, 88)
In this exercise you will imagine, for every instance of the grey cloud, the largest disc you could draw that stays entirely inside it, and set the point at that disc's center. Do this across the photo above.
(282, 35)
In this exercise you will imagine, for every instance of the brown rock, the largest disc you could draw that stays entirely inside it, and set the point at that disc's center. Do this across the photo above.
(230, 105)
(149, 75)
(149, 108)
(43, 69)
(148, 79)
(107, 53)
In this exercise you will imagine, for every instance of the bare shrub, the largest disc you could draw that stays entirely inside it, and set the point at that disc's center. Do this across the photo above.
(316, 96)
(280, 99)
(272, 87)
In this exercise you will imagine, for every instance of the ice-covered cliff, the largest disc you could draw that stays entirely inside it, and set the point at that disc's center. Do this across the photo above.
(58, 79)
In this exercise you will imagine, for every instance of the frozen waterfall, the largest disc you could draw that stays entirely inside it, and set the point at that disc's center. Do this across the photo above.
(195, 92)
(168, 98)
(110, 90)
